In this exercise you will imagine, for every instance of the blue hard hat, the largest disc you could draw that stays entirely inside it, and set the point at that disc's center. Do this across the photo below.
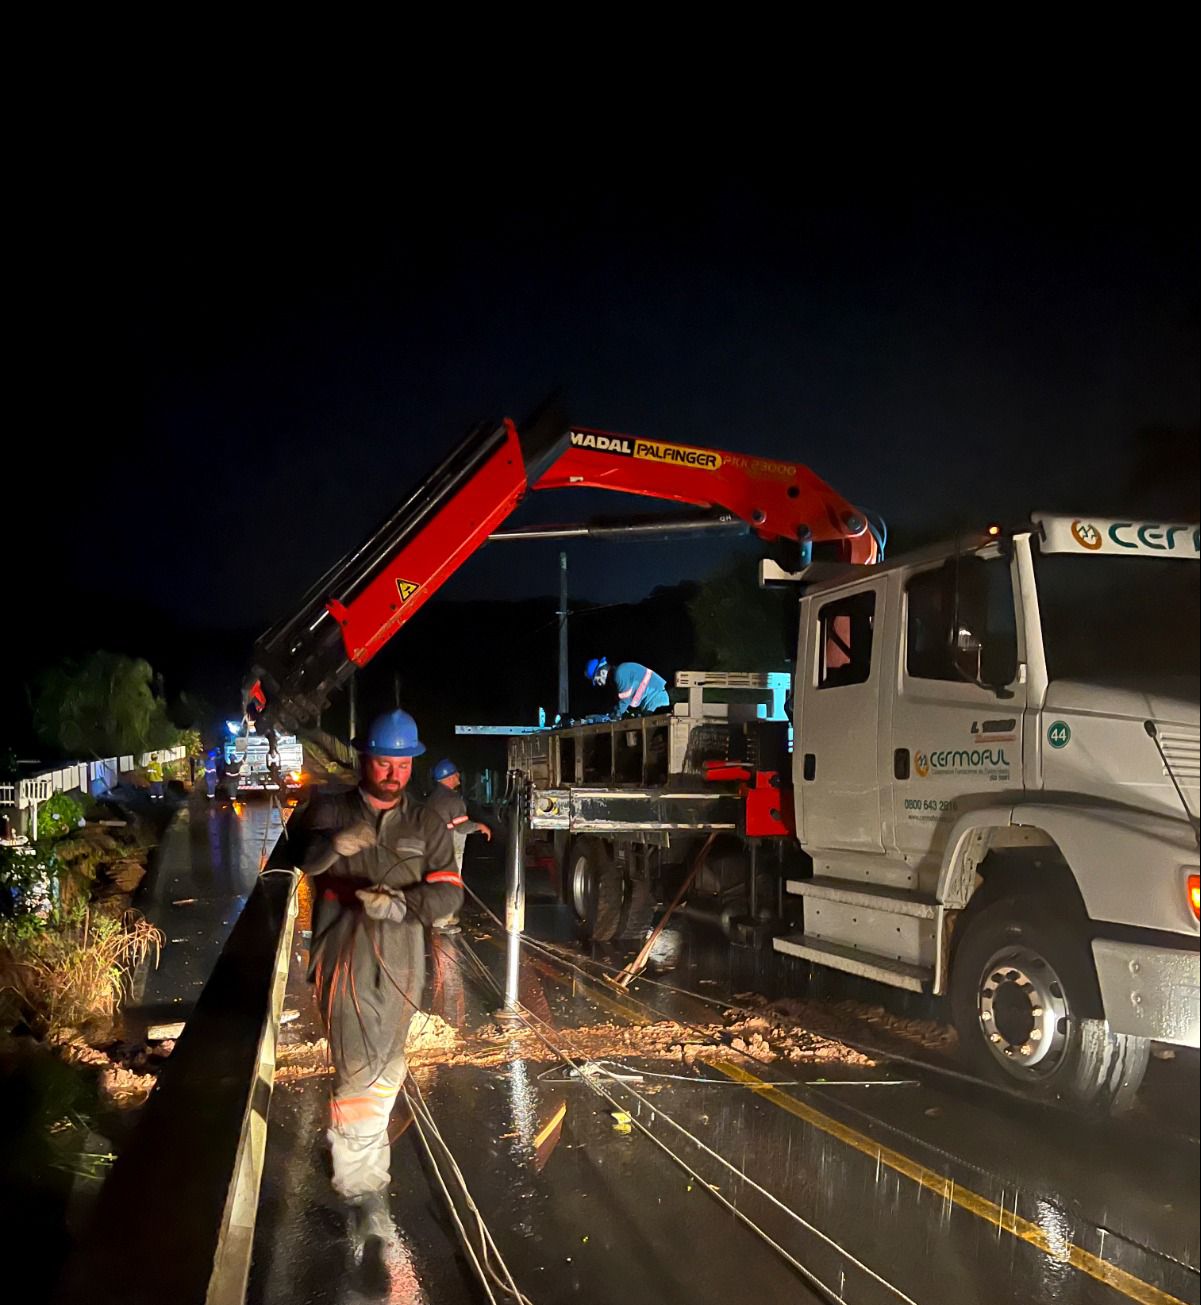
(394, 734)
(594, 665)
(444, 768)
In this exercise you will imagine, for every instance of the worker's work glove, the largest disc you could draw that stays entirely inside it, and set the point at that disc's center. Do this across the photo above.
(382, 903)
(346, 842)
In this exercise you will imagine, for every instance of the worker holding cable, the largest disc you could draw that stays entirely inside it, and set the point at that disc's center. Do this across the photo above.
(383, 867)
(446, 801)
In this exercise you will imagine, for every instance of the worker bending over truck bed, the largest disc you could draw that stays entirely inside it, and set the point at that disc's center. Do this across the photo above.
(638, 687)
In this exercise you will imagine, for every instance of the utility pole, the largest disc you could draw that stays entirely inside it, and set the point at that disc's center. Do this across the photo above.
(352, 697)
(563, 690)
(396, 688)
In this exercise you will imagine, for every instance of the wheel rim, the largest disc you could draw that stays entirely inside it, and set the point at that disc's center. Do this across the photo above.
(1024, 1012)
(582, 885)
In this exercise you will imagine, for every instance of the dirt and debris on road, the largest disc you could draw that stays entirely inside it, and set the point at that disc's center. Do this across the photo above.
(432, 1041)
(856, 1021)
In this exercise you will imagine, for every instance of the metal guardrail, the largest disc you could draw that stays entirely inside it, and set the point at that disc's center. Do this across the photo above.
(174, 1221)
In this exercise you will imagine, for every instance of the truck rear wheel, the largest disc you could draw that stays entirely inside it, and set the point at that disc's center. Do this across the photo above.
(596, 889)
(1026, 1007)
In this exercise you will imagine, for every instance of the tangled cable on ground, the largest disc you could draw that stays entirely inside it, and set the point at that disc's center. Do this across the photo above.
(594, 1081)
(569, 959)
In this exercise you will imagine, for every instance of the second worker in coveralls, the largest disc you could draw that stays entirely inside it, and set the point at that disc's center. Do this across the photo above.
(446, 800)
(383, 867)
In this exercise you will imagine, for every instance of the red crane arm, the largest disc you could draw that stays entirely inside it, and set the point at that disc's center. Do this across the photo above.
(779, 500)
(348, 616)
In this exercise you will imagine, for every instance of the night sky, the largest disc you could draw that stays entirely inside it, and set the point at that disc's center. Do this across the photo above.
(942, 358)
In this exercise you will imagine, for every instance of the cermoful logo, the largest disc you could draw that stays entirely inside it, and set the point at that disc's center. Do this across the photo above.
(1087, 535)
(961, 760)
(649, 450)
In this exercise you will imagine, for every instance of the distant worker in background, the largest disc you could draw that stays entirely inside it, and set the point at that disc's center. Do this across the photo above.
(383, 866)
(154, 773)
(275, 765)
(638, 687)
(446, 801)
(233, 774)
(210, 773)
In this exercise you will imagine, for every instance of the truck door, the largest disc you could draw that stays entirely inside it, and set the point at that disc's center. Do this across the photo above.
(958, 710)
(835, 753)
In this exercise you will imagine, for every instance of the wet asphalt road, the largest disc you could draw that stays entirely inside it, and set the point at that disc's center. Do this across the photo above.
(912, 1186)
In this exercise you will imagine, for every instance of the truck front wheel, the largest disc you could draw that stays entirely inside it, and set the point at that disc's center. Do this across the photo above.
(1026, 1008)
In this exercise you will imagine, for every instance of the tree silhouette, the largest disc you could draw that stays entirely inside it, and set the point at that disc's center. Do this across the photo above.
(102, 706)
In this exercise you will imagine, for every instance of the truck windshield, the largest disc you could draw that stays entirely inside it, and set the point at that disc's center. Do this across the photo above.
(1107, 618)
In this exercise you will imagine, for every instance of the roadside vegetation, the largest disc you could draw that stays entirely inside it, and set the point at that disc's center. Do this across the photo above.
(73, 947)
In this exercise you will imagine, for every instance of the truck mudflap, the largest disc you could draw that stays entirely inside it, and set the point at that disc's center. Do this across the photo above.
(1150, 992)
(600, 810)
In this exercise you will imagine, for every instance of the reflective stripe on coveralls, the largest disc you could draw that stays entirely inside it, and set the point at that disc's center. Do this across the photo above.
(639, 686)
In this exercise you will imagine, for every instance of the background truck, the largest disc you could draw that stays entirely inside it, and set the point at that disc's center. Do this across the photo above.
(992, 788)
(247, 768)
(992, 795)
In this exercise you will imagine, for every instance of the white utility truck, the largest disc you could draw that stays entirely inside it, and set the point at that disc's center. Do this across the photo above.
(251, 767)
(994, 795)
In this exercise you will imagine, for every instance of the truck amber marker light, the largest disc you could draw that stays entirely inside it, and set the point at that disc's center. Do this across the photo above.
(1194, 895)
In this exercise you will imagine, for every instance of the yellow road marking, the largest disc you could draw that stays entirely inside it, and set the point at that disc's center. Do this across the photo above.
(946, 1188)
(555, 1120)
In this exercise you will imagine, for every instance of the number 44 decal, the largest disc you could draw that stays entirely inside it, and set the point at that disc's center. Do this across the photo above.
(1059, 734)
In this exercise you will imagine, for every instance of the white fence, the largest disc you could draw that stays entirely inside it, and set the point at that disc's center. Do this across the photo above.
(90, 778)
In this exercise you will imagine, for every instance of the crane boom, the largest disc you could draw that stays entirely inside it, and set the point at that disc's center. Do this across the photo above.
(361, 602)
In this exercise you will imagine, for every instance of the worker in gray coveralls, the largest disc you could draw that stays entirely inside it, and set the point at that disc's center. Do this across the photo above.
(447, 800)
(383, 867)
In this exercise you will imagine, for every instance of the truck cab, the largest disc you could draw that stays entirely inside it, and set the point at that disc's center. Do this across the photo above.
(996, 779)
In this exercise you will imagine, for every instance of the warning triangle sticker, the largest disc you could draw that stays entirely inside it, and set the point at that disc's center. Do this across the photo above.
(407, 589)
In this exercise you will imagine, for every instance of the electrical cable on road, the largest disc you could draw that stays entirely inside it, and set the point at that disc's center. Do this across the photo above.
(526, 1016)
(614, 1068)
(423, 1118)
(572, 961)
(557, 953)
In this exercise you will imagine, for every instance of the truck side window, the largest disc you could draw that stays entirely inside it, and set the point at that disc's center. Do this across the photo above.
(984, 647)
(846, 634)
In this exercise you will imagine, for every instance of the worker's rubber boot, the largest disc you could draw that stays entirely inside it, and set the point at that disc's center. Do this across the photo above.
(372, 1228)
(371, 1217)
